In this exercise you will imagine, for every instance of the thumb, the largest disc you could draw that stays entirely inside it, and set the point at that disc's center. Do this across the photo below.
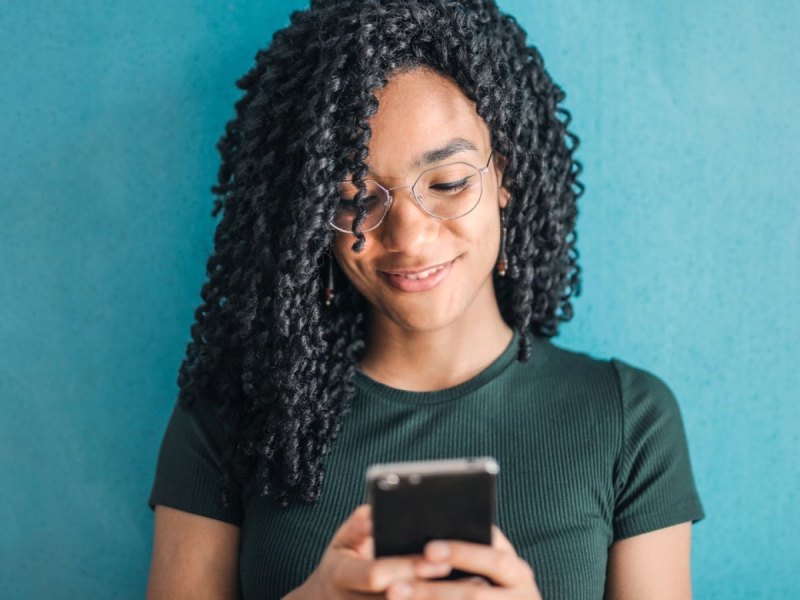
(499, 540)
(355, 529)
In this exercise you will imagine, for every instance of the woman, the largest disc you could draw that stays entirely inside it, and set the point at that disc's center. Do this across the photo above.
(396, 250)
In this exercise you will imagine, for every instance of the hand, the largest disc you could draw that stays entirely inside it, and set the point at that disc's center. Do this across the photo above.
(348, 565)
(499, 563)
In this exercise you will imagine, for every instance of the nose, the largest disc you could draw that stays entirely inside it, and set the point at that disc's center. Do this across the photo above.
(407, 226)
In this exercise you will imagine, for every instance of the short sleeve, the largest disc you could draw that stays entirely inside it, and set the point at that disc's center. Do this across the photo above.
(655, 486)
(189, 471)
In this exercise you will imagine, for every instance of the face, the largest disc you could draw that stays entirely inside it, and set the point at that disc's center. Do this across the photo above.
(419, 111)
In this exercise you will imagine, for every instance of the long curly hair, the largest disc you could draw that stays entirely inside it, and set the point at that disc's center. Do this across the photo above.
(264, 350)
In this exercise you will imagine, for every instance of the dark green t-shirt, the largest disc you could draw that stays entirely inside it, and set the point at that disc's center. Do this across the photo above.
(590, 451)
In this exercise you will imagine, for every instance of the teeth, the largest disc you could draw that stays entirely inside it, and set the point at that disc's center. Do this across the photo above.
(422, 274)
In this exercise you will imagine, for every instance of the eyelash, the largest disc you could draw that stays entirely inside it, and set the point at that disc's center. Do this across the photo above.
(454, 185)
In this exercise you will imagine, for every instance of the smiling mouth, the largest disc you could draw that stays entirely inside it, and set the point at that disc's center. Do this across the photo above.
(424, 274)
(420, 274)
(418, 281)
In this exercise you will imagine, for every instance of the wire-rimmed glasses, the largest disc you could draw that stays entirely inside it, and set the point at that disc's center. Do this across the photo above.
(445, 192)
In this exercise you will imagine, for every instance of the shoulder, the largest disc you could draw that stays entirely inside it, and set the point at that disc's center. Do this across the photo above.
(637, 379)
(644, 395)
(560, 359)
(572, 372)
(606, 382)
(551, 358)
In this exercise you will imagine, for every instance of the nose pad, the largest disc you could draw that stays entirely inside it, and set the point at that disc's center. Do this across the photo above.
(416, 200)
(407, 225)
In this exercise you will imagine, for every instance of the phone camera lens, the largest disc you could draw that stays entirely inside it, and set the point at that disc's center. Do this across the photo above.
(389, 481)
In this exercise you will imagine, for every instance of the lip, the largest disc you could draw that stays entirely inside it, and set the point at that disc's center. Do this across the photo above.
(412, 271)
(402, 284)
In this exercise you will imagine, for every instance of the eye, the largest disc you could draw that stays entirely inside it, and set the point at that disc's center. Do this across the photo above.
(453, 186)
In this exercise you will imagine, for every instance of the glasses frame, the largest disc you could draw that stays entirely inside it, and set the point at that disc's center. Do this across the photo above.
(387, 204)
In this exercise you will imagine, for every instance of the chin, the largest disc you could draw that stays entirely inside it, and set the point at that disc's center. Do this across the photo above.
(427, 321)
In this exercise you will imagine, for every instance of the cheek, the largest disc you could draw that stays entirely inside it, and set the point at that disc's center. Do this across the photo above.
(344, 256)
(351, 263)
(483, 238)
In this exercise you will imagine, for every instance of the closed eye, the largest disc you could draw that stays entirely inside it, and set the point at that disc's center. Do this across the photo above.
(451, 186)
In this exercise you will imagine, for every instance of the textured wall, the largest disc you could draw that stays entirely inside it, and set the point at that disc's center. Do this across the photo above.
(688, 235)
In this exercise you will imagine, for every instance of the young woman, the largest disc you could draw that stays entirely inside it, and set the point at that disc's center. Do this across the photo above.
(398, 195)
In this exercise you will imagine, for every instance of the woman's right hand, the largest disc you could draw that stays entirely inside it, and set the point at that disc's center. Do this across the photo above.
(348, 565)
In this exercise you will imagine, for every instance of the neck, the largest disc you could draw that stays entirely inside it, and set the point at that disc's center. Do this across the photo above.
(438, 358)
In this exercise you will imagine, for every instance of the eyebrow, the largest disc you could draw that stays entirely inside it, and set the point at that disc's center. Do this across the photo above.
(452, 147)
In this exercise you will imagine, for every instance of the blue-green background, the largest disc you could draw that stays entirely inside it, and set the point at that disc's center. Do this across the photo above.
(688, 232)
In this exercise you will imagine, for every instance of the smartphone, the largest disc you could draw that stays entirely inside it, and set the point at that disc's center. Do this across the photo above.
(415, 502)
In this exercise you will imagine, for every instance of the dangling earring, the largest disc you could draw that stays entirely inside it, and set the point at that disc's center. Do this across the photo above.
(502, 261)
(329, 284)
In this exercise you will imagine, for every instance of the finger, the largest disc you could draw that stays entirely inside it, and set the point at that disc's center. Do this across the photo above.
(354, 529)
(358, 574)
(500, 541)
(442, 590)
(503, 567)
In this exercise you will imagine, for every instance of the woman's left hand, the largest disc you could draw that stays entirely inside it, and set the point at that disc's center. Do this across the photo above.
(498, 563)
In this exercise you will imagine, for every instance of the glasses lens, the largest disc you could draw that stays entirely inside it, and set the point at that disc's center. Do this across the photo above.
(450, 191)
(374, 203)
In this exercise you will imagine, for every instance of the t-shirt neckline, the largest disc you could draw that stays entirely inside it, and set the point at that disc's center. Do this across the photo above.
(497, 366)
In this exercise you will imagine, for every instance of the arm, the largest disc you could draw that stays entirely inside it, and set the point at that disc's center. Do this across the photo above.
(193, 557)
(653, 565)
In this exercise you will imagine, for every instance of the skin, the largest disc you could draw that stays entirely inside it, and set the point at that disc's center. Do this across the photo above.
(422, 341)
(441, 337)
(193, 557)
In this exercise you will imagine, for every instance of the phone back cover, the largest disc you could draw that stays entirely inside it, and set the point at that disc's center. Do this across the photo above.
(453, 506)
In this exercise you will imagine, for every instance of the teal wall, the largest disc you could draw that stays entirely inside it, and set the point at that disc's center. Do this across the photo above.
(688, 114)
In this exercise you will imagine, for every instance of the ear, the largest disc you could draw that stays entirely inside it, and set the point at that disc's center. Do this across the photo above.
(505, 197)
(500, 164)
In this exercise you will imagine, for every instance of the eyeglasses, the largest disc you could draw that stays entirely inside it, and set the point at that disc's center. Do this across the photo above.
(445, 192)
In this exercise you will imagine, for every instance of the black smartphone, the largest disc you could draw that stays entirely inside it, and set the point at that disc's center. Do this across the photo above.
(416, 502)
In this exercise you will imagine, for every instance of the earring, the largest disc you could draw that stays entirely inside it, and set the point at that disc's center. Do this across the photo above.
(502, 261)
(329, 284)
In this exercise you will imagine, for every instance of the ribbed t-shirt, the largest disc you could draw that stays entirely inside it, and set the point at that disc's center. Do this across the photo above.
(590, 451)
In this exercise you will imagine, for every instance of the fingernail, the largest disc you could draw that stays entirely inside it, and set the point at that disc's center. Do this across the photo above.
(439, 549)
(428, 569)
(399, 591)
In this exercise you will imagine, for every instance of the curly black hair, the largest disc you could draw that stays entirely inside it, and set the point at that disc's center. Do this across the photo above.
(264, 350)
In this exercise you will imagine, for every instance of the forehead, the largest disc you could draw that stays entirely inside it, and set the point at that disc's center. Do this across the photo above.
(420, 110)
